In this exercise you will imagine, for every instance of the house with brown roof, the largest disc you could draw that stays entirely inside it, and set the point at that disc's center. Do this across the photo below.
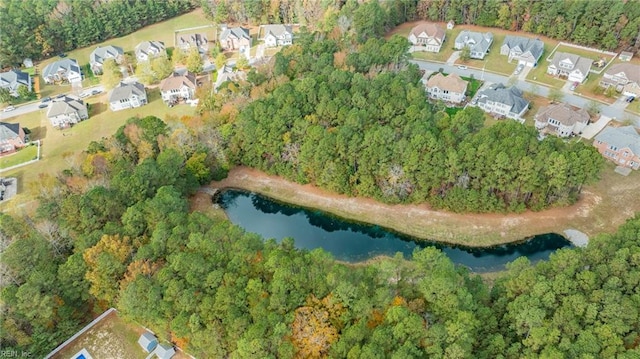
(561, 120)
(178, 88)
(450, 88)
(235, 38)
(575, 68)
(427, 36)
(620, 145)
(625, 78)
(12, 137)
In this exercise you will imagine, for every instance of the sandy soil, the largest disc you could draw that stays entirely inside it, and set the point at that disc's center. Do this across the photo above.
(590, 215)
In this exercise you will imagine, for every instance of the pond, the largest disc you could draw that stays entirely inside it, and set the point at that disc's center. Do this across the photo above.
(355, 242)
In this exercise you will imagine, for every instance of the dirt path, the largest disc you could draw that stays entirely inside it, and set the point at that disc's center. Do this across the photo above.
(423, 222)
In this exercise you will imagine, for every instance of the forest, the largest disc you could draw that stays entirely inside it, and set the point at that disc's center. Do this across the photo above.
(604, 24)
(38, 29)
(115, 229)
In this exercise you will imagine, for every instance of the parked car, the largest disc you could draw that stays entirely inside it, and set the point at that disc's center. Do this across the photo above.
(518, 69)
(462, 67)
(95, 92)
(630, 99)
(574, 86)
(42, 105)
(60, 95)
(85, 94)
(45, 99)
(9, 108)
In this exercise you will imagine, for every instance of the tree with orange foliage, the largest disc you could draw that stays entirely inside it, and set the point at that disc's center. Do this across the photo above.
(314, 327)
(107, 262)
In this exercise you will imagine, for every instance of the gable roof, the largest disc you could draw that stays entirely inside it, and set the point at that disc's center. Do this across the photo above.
(477, 42)
(12, 78)
(102, 53)
(630, 70)
(428, 28)
(193, 40)
(276, 30)
(148, 341)
(563, 113)
(525, 44)
(67, 65)
(65, 106)
(9, 131)
(511, 96)
(451, 82)
(621, 137)
(579, 63)
(176, 81)
(149, 48)
(238, 32)
(123, 91)
(165, 351)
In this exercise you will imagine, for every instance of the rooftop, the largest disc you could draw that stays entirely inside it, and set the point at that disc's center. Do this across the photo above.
(451, 82)
(621, 137)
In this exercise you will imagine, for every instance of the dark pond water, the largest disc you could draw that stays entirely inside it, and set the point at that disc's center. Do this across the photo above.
(354, 242)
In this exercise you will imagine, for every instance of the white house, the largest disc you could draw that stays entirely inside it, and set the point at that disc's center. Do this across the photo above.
(277, 35)
(178, 88)
(127, 95)
(427, 37)
(625, 78)
(502, 101)
(562, 120)
(66, 111)
(65, 70)
(525, 50)
(147, 50)
(14, 79)
(478, 43)
(450, 88)
(199, 41)
(102, 53)
(575, 68)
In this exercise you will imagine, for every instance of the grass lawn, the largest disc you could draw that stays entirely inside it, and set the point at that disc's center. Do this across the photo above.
(162, 31)
(634, 107)
(473, 87)
(57, 144)
(591, 88)
(26, 154)
(493, 61)
(536, 102)
(593, 55)
(539, 73)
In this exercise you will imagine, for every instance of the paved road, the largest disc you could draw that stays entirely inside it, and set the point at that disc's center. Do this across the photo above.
(33, 106)
(615, 110)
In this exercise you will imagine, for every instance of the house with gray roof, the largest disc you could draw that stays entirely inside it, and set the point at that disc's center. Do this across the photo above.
(66, 111)
(227, 73)
(178, 88)
(127, 95)
(12, 137)
(277, 35)
(561, 120)
(620, 145)
(625, 78)
(502, 101)
(525, 50)
(147, 50)
(575, 68)
(61, 71)
(190, 41)
(14, 79)
(235, 38)
(477, 42)
(102, 53)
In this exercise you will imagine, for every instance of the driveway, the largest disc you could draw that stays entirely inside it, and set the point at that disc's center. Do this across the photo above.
(593, 129)
(452, 59)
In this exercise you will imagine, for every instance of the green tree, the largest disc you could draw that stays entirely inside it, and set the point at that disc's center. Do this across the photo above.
(111, 74)
(242, 63)
(194, 61)
(465, 54)
(145, 73)
(220, 60)
(161, 67)
(5, 95)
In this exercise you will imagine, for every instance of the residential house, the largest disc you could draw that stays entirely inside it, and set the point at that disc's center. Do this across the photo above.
(127, 95)
(235, 38)
(102, 53)
(620, 145)
(12, 137)
(14, 79)
(227, 73)
(177, 88)
(562, 120)
(147, 50)
(525, 50)
(625, 56)
(625, 78)
(187, 42)
(67, 111)
(277, 35)
(65, 70)
(450, 88)
(427, 36)
(477, 42)
(502, 101)
(575, 68)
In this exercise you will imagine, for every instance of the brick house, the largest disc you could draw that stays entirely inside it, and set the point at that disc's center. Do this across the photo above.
(620, 145)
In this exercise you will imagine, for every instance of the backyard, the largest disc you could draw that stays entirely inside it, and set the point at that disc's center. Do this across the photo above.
(27, 153)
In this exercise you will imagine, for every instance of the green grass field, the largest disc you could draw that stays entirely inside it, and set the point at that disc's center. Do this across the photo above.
(27, 153)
